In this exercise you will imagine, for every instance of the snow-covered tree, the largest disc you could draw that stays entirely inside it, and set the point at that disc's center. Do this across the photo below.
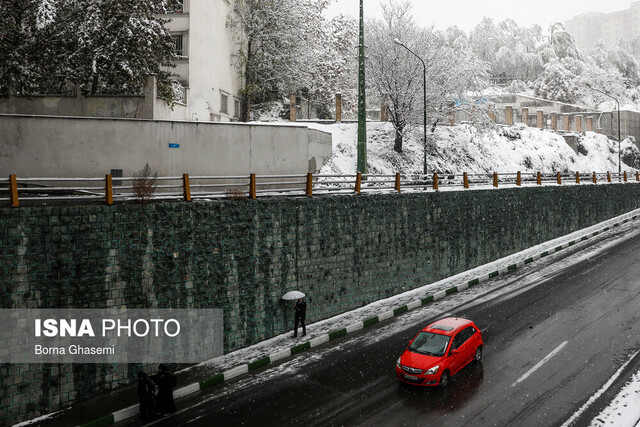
(395, 73)
(398, 76)
(333, 63)
(19, 46)
(276, 41)
(118, 43)
(104, 47)
(559, 82)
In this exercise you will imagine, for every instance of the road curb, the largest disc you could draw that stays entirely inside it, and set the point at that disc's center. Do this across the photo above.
(237, 371)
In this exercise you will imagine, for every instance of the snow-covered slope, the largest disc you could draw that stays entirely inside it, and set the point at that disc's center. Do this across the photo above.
(464, 148)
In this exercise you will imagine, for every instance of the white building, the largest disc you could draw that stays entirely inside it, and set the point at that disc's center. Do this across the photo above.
(205, 46)
(587, 29)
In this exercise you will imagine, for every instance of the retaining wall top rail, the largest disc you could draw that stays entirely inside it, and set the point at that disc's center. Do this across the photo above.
(110, 188)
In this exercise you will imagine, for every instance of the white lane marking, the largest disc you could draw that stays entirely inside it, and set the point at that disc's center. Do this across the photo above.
(540, 363)
(599, 393)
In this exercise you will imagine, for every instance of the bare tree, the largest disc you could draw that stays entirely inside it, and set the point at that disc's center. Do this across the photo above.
(398, 75)
(145, 184)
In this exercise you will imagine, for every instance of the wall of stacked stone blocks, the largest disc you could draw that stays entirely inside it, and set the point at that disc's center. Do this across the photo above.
(242, 255)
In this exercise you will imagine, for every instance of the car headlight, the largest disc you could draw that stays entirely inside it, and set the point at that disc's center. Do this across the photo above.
(432, 370)
(398, 363)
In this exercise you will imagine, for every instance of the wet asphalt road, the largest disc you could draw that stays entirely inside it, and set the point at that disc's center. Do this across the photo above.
(587, 316)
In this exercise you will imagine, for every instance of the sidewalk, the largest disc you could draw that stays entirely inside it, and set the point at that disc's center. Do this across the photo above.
(122, 403)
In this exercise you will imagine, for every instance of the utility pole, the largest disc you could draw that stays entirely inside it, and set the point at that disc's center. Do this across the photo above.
(362, 100)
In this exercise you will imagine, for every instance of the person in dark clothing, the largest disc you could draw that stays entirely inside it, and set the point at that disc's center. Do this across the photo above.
(145, 395)
(166, 381)
(301, 315)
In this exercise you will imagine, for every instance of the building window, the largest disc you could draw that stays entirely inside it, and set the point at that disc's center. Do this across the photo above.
(175, 6)
(224, 103)
(236, 108)
(179, 47)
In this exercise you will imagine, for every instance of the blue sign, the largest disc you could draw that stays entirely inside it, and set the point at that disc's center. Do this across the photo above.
(172, 145)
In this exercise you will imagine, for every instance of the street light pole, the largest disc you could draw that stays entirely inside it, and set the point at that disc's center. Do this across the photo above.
(424, 104)
(362, 102)
(619, 139)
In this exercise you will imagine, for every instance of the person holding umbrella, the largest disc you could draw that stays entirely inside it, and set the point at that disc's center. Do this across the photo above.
(300, 310)
(301, 315)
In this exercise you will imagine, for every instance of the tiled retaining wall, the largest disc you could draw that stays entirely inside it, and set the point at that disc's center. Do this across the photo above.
(242, 255)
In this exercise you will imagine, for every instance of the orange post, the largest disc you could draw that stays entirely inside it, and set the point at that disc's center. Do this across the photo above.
(435, 181)
(559, 178)
(519, 179)
(465, 180)
(252, 186)
(358, 183)
(186, 187)
(495, 179)
(108, 189)
(539, 179)
(13, 185)
(637, 176)
(595, 178)
(577, 177)
(608, 177)
(398, 182)
(625, 176)
(310, 184)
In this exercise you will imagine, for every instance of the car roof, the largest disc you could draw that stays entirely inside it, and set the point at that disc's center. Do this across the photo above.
(448, 325)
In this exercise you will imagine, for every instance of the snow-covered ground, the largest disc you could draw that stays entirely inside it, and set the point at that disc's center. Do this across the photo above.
(624, 410)
(465, 148)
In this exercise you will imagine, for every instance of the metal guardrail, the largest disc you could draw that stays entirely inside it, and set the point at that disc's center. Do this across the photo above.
(110, 190)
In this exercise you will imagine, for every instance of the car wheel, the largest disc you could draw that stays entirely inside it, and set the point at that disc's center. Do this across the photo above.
(445, 379)
(478, 356)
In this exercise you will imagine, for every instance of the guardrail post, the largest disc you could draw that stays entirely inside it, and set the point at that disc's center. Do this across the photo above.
(108, 189)
(608, 177)
(435, 181)
(495, 179)
(539, 179)
(559, 178)
(186, 187)
(577, 177)
(398, 182)
(595, 178)
(13, 184)
(358, 183)
(309, 184)
(625, 176)
(519, 179)
(252, 186)
(465, 180)
(637, 176)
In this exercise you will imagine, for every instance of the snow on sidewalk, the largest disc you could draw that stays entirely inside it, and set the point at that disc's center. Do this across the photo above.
(624, 410)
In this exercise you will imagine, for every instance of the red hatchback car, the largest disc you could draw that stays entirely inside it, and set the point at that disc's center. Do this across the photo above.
(439, 351)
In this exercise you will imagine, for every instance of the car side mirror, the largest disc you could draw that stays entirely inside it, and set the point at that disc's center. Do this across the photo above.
(454, 351)
(410, 342)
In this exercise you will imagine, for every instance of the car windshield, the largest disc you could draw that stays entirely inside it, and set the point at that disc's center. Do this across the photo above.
(430, 344)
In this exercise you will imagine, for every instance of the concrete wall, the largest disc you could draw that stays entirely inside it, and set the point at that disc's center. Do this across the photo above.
(243, 255)
(146, 106)
(32, 146)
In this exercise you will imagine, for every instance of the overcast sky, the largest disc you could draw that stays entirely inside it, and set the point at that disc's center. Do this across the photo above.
(466, 14)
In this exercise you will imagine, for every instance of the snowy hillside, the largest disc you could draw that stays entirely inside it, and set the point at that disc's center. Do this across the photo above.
(464, 148)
